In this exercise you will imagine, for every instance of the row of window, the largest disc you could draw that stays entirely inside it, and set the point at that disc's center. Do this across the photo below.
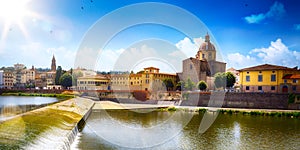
(294, 81)
(260, 78)
(260, 88)
(125, 78)
(273, 88)
(91, 82)
(261, 72)
(273, 79)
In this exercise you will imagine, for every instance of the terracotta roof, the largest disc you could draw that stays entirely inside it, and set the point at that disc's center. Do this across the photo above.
(291, 76)
(135, 75)
(231, 69)
(94, 77)
(266, 67)
(151, 68)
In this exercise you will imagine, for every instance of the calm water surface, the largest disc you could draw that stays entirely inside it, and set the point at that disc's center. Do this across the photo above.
(25, 100)
(124, 129)
(14, 105)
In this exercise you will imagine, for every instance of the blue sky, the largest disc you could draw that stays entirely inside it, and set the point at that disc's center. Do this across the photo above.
(247, 32)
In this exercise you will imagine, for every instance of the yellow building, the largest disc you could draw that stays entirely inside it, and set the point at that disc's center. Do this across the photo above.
(152, 79)
(97, 82)
(148, 79)
(119, 81)
(8, 80)
(269, 78)
(136, 81)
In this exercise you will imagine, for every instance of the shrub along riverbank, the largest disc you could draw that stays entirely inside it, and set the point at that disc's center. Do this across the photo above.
(59, 96)
(291, 114)
(274, 113)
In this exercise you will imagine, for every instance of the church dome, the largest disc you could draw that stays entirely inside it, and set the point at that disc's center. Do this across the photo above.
(207, 45)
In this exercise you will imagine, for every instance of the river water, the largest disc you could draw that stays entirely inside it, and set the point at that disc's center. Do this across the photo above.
(125, 129)
(13, 105)
(25, 100)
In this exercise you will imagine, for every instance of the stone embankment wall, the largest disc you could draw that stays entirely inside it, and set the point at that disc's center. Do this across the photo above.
(229, 100)
(243, 100)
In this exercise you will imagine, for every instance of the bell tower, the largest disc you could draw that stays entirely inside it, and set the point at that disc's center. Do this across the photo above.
(53, 64)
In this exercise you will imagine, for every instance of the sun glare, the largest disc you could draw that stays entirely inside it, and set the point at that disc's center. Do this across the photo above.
(13, 10)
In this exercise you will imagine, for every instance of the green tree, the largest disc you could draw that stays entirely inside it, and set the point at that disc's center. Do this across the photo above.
(76, 75)
(179, 85)
(230, 79)
(66, 80)
(202, 85)
(168, 83)
(189, 85)
(220, 80)
(58, 75)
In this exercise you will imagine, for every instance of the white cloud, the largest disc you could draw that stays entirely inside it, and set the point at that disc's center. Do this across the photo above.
(238, 60)
(132, 57)
(187, 47)
(276, 12)
(136, 58)
(108, 59)
(36, 54)
(255, 18)
(63, 56)
(277, 54)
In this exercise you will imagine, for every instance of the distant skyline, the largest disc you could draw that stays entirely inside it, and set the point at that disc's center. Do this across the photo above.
(248, 32)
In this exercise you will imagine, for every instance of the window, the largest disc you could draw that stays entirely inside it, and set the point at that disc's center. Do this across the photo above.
(203, 56)
(273, 77)
(259, 88)
(247, 88)
(147, 75)
(191, 66)
(147, 81)
(259, 71)
(247, 72)
(273, 71)
(294, 81)
(284, 80)
(260, 78)
(272, 88)
(294, 87)
(247, 78)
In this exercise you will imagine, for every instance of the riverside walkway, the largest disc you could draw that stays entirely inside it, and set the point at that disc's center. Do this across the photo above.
(113, 105)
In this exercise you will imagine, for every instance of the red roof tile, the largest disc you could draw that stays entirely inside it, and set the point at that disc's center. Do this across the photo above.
(266, 67)
(291, 76)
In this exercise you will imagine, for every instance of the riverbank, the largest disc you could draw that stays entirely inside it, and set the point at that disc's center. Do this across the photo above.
(59, 96)
(51, 124)
(257, 112)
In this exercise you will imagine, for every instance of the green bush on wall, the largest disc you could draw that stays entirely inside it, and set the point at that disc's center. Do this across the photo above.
(291, 98)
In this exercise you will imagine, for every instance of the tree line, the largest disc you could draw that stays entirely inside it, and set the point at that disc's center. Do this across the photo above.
(222, 80)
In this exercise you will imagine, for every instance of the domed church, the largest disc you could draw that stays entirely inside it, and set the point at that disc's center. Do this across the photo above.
(204, 66)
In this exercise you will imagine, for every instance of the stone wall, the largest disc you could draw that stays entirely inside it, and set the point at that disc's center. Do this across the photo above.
(256, 100)
(242, 100)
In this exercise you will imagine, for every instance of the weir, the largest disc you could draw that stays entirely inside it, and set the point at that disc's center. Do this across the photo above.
(50, 127)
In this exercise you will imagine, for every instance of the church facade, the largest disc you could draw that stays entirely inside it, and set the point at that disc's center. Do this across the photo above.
(204, 66)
